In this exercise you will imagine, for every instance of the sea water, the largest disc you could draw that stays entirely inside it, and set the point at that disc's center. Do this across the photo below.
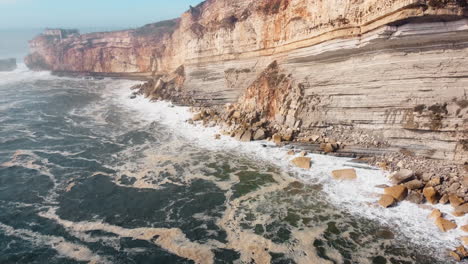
(88, 175)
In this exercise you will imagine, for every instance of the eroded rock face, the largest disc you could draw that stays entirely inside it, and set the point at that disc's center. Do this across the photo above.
(373, 73)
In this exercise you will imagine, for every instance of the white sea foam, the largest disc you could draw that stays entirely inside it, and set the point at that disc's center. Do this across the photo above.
(22, 73)
(359, 196)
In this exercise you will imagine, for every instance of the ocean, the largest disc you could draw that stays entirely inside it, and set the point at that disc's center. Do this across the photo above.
(89, 175)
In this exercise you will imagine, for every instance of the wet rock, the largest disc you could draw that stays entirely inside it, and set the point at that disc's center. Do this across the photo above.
(445, 225)
(464, 228)
(435, 214)
(217, 136)
(387, 200)
(402, 176)
(462, 251)
(444, 199)
(455, 200)
(462, 208)
(259, 134)
(415, 197)
(291, 152)
(433, 182)
(246, 136)
(414, 184)
(458, 214)
(197, 117)
(327, 147)
(344, 174)
(398, 192)
(302, 162)
(430, 194)
(277, 138)
(455, 255)
(464, 240)
(303, 153)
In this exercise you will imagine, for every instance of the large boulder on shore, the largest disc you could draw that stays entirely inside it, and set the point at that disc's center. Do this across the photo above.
(445, 225)
(7, 65)
(398, 192)
(402, 176)
(345, 174)
(302, 162)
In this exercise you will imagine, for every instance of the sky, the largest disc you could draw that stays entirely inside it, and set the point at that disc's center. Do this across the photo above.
(24, 14)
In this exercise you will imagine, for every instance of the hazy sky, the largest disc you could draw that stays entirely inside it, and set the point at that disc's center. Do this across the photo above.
(88, 13)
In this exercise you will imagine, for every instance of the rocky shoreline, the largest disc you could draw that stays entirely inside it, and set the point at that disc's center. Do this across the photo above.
(416, 179)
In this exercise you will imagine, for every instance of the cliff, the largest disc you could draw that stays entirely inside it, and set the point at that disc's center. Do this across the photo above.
(389, 74)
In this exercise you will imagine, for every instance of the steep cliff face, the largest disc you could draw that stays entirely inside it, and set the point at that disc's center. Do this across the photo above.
(391, 72)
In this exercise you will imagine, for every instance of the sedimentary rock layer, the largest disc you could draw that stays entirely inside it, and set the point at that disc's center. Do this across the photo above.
(390, 73)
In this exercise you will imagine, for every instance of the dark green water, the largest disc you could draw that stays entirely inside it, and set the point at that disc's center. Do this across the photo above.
(85, 180)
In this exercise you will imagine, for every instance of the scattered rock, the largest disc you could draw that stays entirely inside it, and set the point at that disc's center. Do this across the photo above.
(415, 197)
(398, 192)
(430, 194)
(462, 208)
(433, 182)
(387, 200)
(464, 240)
(327, 147)
(464, 228)
(303, 154)
(382, 165)
(444, 199)
(455, 255)
(259, 134)
(402, 176)
(455, 200)
(291, 152)
(246, 136)
(217, 136)
(445, 225)
(462, 251)
(453, 187)
(302, 162)
(197, 117)
(435, 214)
(345, 174)
(414, 184)
(277, 138)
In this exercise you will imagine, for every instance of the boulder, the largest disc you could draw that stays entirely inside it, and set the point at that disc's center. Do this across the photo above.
(453, 187)
(291, 152)
(238, 134)
(344, 174)
(327, 147)
(236, 115)
(435, 214)
(445, 225)
(197, 117)
(430, 194)
(288, 135)
(464, 240)
(415, 197)
(217, 136)
(402, 176)
(277, 138)
(302, 162)
(455, 200)
(433, 182)
(259, 134)
(464, 228)
(246, 136)
(414, 184)
(303, 153)
(462, 208)
(387, 200)
(444, 199)
(462, 251)
(458, 214)
(7, 65)
(398, 192)
(455, 255)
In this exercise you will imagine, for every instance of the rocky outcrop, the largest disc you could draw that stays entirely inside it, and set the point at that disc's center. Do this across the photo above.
(7, 65)
(387, 75)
